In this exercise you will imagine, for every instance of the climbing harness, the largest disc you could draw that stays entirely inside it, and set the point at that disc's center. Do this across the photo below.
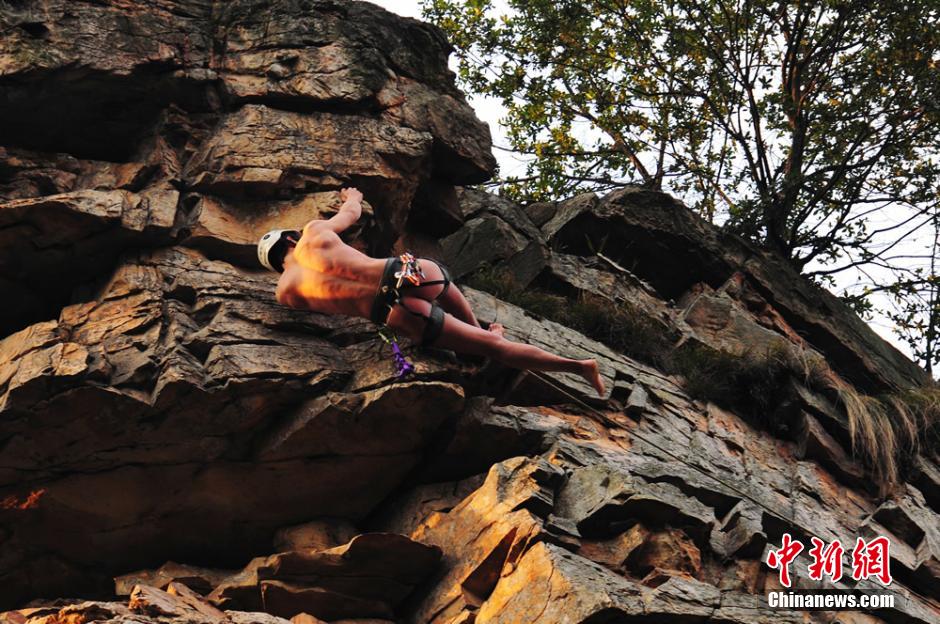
(410, 270)
(400, 274)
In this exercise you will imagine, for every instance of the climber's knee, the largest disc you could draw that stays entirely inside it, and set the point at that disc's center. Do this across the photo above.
(492, 345)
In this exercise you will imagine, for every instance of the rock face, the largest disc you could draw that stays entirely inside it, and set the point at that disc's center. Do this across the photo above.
(120, 119)
(177, 447)
(657, 238)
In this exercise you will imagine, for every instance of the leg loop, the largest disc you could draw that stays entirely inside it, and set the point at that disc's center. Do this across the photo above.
(435, 325)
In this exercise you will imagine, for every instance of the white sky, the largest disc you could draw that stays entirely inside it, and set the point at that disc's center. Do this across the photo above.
(491, 111)
(488, 109)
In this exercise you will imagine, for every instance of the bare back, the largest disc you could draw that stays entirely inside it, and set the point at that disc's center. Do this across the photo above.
(324, 274)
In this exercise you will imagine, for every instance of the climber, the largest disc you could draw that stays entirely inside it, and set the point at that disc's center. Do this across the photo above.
(409, 295)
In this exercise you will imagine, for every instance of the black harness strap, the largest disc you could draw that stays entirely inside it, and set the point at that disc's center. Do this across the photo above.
(435, 322)
(446, 281)
(388, 296)
(432, 331)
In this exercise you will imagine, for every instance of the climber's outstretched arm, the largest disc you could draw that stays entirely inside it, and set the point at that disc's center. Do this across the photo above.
(348, 213)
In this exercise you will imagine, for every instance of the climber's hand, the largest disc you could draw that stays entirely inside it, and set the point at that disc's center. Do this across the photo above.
(350, 194)
(349, 212)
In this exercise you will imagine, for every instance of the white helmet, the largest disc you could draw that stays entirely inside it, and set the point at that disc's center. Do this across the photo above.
(272, 248)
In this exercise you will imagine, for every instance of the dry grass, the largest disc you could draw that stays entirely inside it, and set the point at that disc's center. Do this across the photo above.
(875, 437)
(885, 432)
(918, 410)
(620, 326)
(754, 384)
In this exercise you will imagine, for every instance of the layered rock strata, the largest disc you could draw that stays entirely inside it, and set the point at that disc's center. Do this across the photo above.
(177, 447)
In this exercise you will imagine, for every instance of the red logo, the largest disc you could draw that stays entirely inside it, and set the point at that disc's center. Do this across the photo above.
(872, 559)
(780, 559)
(826, 561)
(869, 559)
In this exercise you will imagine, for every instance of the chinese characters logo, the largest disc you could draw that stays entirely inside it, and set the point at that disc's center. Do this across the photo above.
(870, 559)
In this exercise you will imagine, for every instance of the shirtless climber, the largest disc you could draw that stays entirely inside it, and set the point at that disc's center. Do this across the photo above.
(320, 272)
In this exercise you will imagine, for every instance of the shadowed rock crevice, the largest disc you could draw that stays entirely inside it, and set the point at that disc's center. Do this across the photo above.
(92, 115)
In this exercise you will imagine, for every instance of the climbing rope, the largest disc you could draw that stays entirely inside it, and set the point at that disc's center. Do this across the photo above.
(604, 418)
(679, 459)
(658, 447)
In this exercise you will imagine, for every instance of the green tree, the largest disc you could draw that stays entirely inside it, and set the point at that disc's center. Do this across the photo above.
(915, 306)
(809, 126)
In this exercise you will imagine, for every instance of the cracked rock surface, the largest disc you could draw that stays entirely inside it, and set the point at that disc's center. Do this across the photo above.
(176, 447)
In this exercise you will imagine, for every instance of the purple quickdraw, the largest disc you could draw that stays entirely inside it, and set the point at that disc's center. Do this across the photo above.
(402, 366)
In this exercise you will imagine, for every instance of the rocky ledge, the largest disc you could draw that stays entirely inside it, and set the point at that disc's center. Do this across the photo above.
(177, 447)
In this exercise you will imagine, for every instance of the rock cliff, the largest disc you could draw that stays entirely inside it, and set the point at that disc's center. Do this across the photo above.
(177, 447)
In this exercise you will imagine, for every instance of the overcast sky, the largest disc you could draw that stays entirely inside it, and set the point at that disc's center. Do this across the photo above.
(491, 111)
(488, 109)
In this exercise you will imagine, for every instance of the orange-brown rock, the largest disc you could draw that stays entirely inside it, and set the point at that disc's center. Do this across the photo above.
(178, 602)
(259, 151)
(615, 551)
(230, 229)
(314, 535)
(305, 618)
(193, 360)
(164, 421)
(367, 577)
(130, 104)
(199, 579)
(670, 551)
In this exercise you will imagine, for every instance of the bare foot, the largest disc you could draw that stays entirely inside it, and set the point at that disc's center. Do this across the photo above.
(496, 328)
(593, 375)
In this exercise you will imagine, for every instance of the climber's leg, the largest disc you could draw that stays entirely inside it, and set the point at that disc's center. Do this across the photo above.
(462, 337)
(454, 302)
